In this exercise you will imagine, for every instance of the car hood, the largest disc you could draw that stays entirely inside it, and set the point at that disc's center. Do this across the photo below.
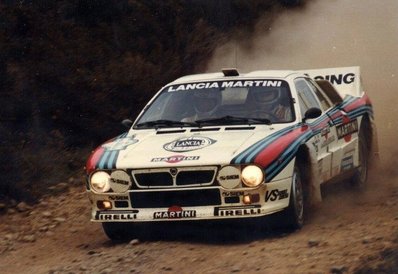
(165, 148)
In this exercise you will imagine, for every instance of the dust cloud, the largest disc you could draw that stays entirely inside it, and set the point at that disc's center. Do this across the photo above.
(333, 33)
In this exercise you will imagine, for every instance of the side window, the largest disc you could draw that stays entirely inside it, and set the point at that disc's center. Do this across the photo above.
(326, 104)
(306, 96)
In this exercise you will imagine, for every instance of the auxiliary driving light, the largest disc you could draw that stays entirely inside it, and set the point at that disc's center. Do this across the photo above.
(104, 205)
(247, 200)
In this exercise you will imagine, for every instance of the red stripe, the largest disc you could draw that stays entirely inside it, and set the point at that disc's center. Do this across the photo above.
(94, 158)
(272, 151)
(356, 104)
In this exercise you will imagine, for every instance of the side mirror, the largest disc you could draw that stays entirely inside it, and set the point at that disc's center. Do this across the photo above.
(127, 123)
(312, 113)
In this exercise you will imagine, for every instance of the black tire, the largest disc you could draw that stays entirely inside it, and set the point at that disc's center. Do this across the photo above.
(295, 211)
(293, 216)
(360, 177)
(117, 232)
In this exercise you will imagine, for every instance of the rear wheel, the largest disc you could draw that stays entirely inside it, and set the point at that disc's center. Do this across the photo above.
(360, 177)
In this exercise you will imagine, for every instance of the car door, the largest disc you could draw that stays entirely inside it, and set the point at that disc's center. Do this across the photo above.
(310, 95)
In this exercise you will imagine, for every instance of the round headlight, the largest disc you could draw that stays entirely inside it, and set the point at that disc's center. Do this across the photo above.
(252, 176)
(99, 181)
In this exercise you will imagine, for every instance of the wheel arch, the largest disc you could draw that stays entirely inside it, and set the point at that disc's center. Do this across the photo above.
(306, 160)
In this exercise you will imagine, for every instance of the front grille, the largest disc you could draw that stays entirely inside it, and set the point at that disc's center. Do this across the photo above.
(194, 177)
(153, 199)
(154, 179)
(174, 177)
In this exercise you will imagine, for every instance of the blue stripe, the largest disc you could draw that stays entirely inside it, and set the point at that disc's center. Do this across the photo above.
(287, 155)
(111, 159)
(101, 164)
(258, 146)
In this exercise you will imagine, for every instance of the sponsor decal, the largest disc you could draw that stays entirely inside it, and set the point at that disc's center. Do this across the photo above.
(226, 84)
(275, 194)
(237, 211)
(328, 141)
(189, 144)
(119, 181)
(347, 128)
(117, 216)
(118, 198)
(174, 212)
(229, 177)
(338, 79)
(325, 131)
(315, 143)
(347, 163)
(120, 144)
(175, 159)
(233, 194)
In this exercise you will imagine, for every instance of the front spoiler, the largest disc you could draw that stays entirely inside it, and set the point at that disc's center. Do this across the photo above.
(273, 197)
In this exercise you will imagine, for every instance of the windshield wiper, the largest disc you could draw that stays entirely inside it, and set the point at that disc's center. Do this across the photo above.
(233, 120)
(165, 123)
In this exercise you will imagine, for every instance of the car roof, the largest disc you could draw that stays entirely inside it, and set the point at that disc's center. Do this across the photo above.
(274, 74)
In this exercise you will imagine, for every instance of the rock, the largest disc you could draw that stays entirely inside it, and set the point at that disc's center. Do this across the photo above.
(312, 243)
(235, 269)
(22, 207)
(62, 187)
(29, 238)
(10, 236)
(134, 242)
(366, 240)
(11, 211)
(338, 269)
(91, 252)
(167, 268)
(2, 206)
(46, 214)
(43, 229)
(59, 219)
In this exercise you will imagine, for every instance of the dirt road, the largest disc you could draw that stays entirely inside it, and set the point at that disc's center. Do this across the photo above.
(346, 231)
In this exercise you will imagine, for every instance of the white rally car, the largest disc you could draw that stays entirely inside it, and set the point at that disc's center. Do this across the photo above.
(229, 145)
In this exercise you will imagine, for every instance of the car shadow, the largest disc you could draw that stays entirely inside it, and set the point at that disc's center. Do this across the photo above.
(223, 232)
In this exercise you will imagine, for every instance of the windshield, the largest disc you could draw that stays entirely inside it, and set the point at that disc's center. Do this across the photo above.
(220, 103)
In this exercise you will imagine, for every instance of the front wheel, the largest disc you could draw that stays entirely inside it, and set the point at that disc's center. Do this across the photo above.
(117, 232)
(295, 211)
(293, 216)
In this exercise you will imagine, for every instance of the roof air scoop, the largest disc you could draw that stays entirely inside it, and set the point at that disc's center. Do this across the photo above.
(230, 72)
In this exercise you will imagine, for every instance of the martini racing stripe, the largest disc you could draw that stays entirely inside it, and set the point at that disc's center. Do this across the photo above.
(253, 150)
(273, 169)
(109, 157)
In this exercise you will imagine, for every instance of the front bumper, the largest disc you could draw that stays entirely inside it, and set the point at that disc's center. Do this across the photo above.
(197, 203)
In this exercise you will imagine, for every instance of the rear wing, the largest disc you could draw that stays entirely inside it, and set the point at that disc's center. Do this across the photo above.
(346, 80)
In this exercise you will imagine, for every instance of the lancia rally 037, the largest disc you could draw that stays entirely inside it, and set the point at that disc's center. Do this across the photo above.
(229, 145)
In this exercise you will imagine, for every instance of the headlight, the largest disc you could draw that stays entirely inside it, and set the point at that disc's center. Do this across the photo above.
(252, 176)
(99, 181)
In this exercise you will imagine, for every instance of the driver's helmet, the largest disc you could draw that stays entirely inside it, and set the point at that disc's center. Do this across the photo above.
(206, 101)
(267, 98)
